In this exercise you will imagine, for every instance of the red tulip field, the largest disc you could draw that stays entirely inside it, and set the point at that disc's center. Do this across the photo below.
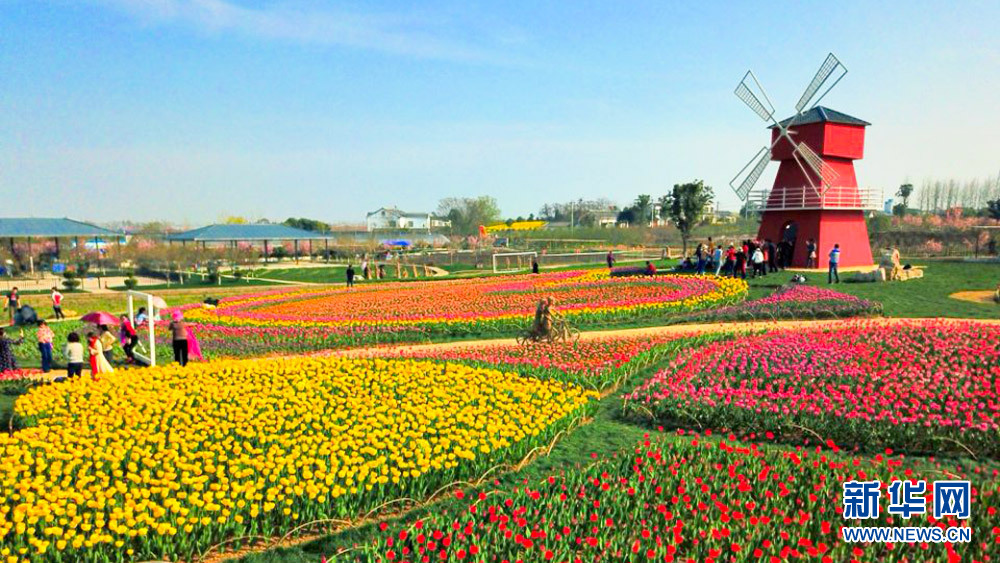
(690, 498)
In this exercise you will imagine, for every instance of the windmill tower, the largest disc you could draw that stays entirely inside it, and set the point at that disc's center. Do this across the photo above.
(815, 193)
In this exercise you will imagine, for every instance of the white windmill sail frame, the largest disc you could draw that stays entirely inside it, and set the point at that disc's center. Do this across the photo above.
(757, 164)
(752, 94)
(831, 67)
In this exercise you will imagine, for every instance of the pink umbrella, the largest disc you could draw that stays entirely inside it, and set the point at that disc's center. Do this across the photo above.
(100, 318)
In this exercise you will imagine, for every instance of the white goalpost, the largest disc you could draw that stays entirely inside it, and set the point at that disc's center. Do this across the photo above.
(507, 262)
(151, 314)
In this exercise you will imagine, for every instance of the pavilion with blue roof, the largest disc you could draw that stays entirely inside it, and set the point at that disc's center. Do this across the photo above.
(234, 233)
(31, 229)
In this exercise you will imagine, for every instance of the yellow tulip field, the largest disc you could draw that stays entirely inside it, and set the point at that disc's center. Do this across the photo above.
(165, 462)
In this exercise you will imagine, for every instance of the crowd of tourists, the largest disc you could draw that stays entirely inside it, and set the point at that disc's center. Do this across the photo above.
(95, 347)
(754, 258)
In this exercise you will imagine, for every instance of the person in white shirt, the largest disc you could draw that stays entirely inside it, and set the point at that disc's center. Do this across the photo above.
(57, 304)
(758, 262)
(73, 351)
(717, 258)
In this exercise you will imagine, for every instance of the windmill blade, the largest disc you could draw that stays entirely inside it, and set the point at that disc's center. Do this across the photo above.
(831, 68)
(823, 171)
(753, 95)
(756, 167)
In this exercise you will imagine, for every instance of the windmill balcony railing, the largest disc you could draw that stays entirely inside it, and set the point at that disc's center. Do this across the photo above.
(806, 197)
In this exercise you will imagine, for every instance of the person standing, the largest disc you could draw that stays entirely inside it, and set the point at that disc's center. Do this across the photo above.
(350, 275)
(45, 335)
(179, 338)
(757, 259)
(833, 274)
(699, 254)
(534, 265)
(772, 258)
(741, 263)
(610, 258)
(57, 299)
(730, 266)
(13, 303)
(364, 268)
(810, 253)
(73, 352)
(717, 258)
(107, 343)
(7, 360)
(129, 338)
(98, 362)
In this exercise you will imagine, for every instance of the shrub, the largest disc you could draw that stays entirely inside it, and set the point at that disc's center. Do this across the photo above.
(69, 280)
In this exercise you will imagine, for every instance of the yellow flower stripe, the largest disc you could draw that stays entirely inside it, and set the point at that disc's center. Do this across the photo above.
(163, 462)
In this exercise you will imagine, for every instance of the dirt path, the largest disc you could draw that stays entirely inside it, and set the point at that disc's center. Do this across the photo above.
(974, 296)
(702, 328)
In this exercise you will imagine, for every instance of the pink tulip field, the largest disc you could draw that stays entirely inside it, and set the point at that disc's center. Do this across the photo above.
(923, 386)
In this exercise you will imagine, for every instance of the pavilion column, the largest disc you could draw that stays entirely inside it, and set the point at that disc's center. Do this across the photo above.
(295, 245)
(326, 249)
(266, 252)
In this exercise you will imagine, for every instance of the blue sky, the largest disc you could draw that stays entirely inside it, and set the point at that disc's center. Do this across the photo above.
(188, 110)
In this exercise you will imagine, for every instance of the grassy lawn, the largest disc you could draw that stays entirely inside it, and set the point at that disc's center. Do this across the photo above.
(323, 274)
(197, 282)
(83, 303)
(924, 297)
(6, 410)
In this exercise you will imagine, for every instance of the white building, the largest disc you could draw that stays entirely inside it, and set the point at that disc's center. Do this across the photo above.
(390, 218)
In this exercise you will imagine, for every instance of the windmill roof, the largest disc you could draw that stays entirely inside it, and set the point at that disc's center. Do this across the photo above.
(246, 232)
(22, 227)
(820, 114)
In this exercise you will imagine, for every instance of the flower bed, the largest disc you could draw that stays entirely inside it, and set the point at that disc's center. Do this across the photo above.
(17, 381)
(925, 386)
(688, 499)
(598, 363)
(793, 301)
(165, 462)
(481, 306)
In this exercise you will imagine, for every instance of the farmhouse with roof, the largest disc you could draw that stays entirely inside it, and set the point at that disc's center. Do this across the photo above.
(390, 218)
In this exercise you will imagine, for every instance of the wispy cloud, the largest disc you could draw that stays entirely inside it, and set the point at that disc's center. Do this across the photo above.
(406, 35)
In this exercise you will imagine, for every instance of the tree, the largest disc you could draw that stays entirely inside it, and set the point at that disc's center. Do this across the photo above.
(627, 216)
(749, 208)
(904, 192)
(468, 213)
(993, 209)
(664, 203)
(643, 207)
(688, 203)
(307, 224)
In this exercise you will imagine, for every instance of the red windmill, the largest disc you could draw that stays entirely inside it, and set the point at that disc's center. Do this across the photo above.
(815, 194)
